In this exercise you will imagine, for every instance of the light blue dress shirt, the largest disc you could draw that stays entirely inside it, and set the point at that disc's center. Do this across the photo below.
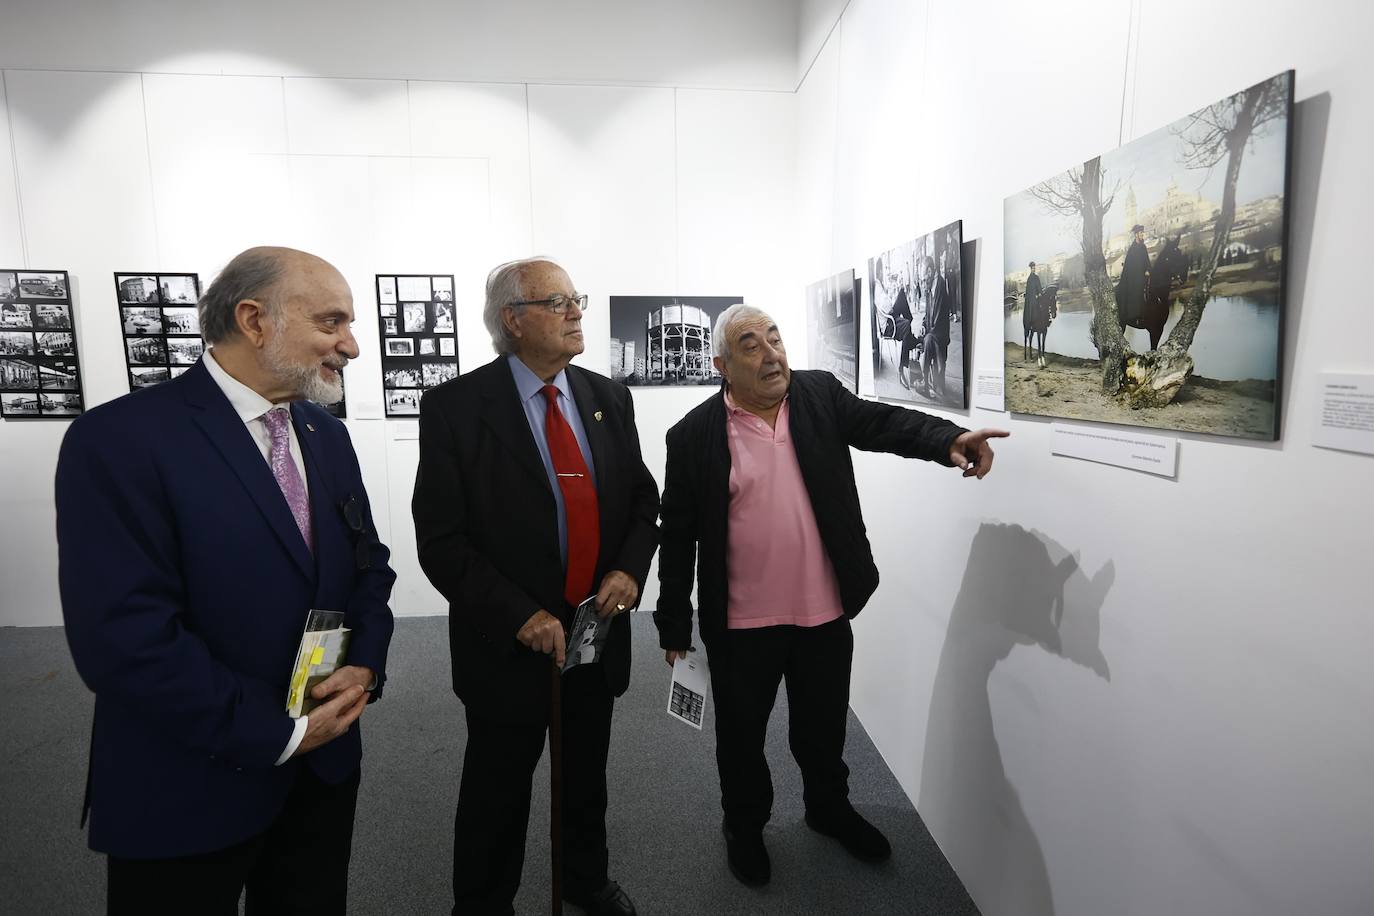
(530, 388)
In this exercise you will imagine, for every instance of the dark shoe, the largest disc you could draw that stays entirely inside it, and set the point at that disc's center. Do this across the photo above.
(747, 856)
(858, 836)
(609, 901)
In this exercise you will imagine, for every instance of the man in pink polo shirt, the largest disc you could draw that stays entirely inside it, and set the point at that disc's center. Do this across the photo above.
(760, 496)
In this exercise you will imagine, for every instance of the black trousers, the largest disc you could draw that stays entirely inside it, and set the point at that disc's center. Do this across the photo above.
(299, 865)
(815, 663)
(494, 799)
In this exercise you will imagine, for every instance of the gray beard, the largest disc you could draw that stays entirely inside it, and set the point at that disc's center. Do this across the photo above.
(304, 381)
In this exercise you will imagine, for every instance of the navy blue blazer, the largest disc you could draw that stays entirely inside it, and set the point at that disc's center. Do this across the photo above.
(185, 586)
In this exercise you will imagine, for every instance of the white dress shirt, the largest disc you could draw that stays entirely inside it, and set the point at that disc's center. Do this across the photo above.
(252, 408)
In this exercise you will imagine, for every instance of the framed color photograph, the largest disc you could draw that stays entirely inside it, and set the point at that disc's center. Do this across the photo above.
(40, 372)
(1146, 285)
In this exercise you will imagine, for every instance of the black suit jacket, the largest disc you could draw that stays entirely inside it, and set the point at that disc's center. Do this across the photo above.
(487, 529)
(825, 420)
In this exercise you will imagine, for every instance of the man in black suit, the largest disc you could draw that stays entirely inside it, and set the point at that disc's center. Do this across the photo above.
(935, 330)
(782, 565)
(530, 496)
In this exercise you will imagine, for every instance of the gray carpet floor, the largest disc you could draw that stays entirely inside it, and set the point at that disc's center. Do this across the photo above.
(664, 820)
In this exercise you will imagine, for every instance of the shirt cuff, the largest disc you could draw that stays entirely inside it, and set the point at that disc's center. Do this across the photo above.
(296, 736)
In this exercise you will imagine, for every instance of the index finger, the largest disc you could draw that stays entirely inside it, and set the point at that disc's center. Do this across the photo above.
(993, 433)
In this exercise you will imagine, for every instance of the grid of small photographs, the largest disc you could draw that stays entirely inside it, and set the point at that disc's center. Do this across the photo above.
(419, 337)
(157, 314)
(39, 372)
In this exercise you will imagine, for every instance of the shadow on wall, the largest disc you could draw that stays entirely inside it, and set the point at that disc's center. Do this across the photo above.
(1015, 592)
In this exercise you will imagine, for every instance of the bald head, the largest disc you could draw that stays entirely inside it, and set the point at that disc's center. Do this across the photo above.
(269, 275)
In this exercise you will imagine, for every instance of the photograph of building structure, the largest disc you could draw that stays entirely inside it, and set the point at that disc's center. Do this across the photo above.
(665, 340)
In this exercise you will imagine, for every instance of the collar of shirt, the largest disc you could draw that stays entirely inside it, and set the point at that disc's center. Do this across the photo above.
(247, 403)
(529, 384)
(734, 409)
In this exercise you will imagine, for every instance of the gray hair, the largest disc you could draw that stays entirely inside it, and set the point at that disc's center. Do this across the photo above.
(253, 274)
(720, 343)
(506, 284)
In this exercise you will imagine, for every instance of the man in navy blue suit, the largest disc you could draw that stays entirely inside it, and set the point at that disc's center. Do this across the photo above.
(198, 523)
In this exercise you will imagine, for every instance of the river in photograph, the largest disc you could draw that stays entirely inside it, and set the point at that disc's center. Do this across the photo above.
(1236, 339)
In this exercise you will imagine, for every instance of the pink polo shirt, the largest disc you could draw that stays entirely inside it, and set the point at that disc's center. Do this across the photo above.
(779, 572)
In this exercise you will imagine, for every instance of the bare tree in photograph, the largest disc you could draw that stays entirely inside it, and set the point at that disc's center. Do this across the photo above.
(1077, 194)
(1220, 132)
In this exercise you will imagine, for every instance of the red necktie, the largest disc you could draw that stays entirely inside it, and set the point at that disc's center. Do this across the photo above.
(579, 501)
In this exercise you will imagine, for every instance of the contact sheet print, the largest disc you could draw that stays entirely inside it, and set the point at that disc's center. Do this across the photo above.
(419, 339)
(39, 371)
(160, 325)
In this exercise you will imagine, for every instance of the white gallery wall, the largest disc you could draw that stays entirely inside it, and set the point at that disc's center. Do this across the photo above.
(1107, 692)
(637, 189)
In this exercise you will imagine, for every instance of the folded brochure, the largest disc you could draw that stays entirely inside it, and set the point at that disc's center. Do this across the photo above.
(323, 646)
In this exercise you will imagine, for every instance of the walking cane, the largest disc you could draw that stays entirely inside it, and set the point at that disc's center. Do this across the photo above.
(556, 782)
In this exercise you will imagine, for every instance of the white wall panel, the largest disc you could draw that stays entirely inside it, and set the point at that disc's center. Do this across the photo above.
(11, 238)
(347, 117)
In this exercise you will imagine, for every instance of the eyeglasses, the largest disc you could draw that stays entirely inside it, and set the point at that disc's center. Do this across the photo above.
(559, 305)
(353, 515)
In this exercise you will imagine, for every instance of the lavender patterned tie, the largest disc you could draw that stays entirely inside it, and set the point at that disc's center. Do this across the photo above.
(284, 469)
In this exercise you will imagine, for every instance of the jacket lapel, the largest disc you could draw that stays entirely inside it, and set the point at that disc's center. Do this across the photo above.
(323, 501)
(505, 415)
(591, 413)
(222, 426)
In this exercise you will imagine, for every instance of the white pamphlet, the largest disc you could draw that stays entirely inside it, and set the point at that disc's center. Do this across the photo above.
(687, 692)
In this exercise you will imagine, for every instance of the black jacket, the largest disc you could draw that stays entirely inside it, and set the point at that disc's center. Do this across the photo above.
(486, 526)
(825, 420)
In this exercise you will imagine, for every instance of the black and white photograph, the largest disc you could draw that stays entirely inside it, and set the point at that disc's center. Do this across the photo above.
(413, 315)
(146, 351)
(443, 318)
(159, 311)
(139, 321)
(401, 378)
(414, 288)
(416, 324)
(178, 289)
(181, 321)
(56, 343)
(433, 374)
(1145, 286)
(177, 370)
(148, 376)
(916, 332)
(59, 375)
(16, 343)
(386, 294)
(18, 373)
(19, 404)
(46, 285)
(59, 405)
(832, 327)
(52, 316)
(48, 340)
(136, 288)
(16, 315)
(183, 351)
(402, 402)
(665, 340)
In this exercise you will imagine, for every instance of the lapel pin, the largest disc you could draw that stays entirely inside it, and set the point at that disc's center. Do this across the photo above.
(310, 427)
(597, 415)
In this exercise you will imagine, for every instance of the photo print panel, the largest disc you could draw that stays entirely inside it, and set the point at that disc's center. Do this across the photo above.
(160, 324)
(40, 371)
(832, 327)
(665, 340)
(1146, 285)
(418, 339)
(918, 336)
